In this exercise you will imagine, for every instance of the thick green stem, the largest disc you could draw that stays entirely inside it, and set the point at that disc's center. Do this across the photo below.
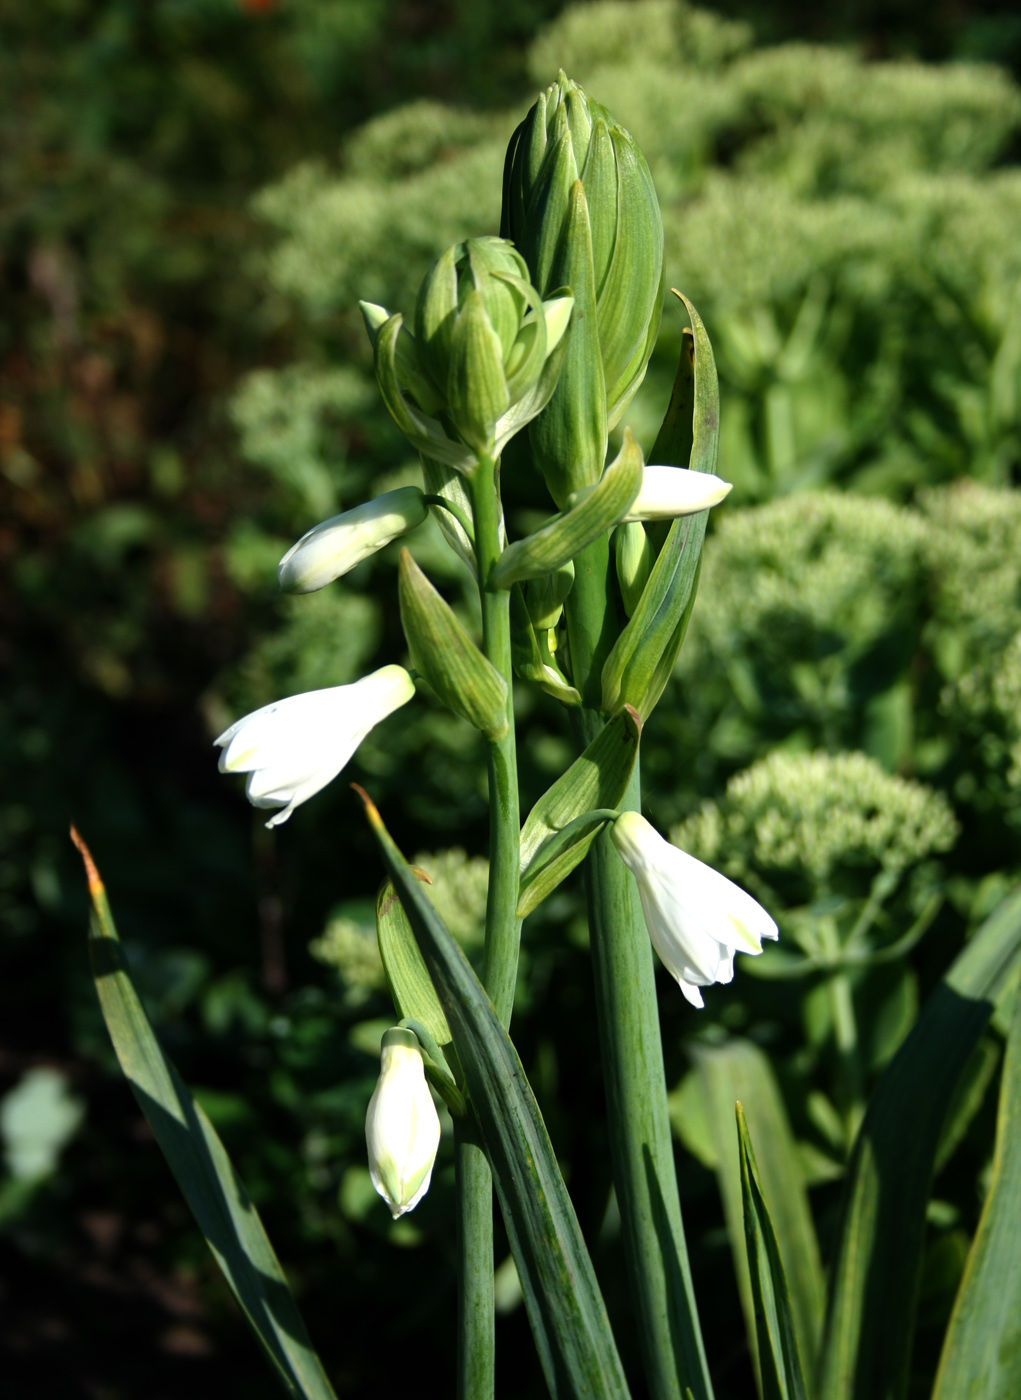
(475, 1312)
(503, 927)
(632, 1052)
(476, 1327)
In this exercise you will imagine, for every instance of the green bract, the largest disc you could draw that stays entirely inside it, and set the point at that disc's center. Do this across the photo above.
(484, 359)
(579, 202)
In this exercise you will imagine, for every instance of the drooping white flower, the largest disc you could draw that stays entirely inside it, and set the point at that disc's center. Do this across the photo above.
(338, 544)
(402, 1128)
(696, 917)
(667, 492)
(294, 747)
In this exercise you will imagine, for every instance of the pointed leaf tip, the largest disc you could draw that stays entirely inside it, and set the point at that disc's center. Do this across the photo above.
(96, 886)
(371, 810)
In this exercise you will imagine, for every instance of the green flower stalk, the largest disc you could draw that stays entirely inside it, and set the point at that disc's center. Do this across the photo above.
(580, 205)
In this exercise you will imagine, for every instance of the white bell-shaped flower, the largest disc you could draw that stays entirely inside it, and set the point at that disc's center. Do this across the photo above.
(696, 917)
(338, 544)
(402, 1128)
(667, 492)
(294, 747)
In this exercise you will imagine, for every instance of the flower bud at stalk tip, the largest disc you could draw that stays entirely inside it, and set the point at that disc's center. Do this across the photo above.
(697, 918)
(292, 748)
(341, 543)
(402, 1127)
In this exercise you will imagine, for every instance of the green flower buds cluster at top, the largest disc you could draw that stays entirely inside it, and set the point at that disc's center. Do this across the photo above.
(580, 205)
(484, 358)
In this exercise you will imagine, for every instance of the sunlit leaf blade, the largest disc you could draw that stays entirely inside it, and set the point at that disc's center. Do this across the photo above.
(875, 1277)
(196, 1156)
(779, 1363)
(982, 1349)
(565, 1308)
(738, 1070)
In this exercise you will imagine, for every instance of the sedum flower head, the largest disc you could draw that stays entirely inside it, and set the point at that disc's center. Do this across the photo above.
(294, 747)
(811, 815)
(402, 1128)
(336, 546)
(697, 918)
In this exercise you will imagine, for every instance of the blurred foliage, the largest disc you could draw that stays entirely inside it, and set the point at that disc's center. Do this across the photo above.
(193, 196)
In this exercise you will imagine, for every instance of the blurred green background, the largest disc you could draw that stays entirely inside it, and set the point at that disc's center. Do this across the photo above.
(193, 195)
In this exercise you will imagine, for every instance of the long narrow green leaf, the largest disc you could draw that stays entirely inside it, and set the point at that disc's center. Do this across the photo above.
(724, 1074)
(982, 1350)
(875, 1278)
(779, 1363)
(566, 1309)
(196, 1156)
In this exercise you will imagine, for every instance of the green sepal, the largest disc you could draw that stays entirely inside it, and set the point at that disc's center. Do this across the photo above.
(446, 657)
(643, 657)
(599, 177)
(569, 437)
(410, 372)
(875, 1275)
(635, 557)
(436, 313)
(630, 304)
(557, 177)
(552, 546)
(209, 1182)
(565, 1307)
(982, 1348)
(411, 989)
(535, 399)
(597, 779)
(477, 393)
(423, 432)
(532, 662)
(780, 1372)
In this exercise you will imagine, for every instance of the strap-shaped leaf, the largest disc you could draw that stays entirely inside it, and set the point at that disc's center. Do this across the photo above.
(780, 1372)
(563, 538)
(982, 1349)
(739, 1070)
(214, 1191)
(875, 1276)
(598, 778)
(643, 657)
(566, 1310)
(410, 985)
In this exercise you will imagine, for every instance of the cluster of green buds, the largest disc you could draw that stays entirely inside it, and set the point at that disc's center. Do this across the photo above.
(484, 358)
(580, 205)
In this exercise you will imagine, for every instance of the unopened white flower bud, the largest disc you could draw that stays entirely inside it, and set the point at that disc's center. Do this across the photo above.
(402, 1127)
(696, 917)
(340, 543)
(667, 492)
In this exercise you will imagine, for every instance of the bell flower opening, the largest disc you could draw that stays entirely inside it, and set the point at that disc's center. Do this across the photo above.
(667, 492)
(335, 547)
(697, 918)
(292, 748)
(402, 1127)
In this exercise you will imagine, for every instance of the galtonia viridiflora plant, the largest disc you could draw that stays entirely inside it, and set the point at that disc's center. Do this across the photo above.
(547, 330)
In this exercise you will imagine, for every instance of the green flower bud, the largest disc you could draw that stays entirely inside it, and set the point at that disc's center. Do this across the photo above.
(446, 657)
(579, 203)
(546, 596)
(484, 359)
(635, 558)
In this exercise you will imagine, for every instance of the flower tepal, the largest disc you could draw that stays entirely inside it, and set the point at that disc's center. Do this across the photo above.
(697, 918)
(294, 747)
(402, 1128)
